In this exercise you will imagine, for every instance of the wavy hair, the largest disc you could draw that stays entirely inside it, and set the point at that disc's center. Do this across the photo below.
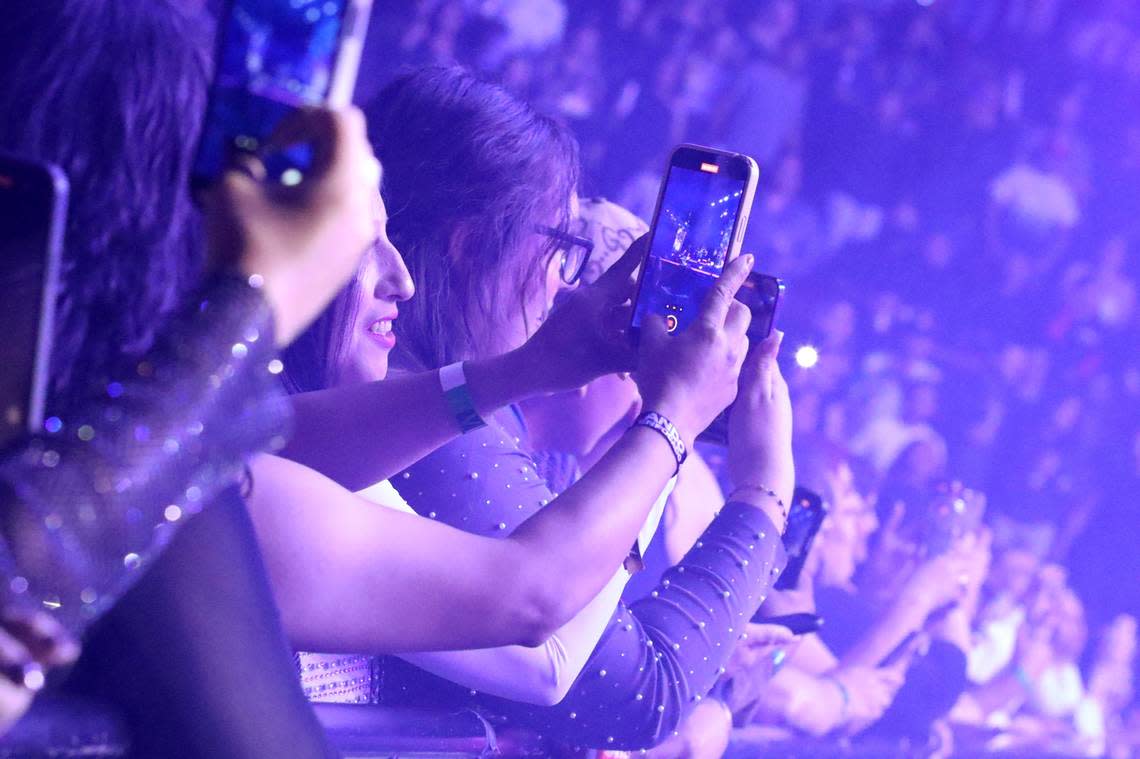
(113, 92)
(469, 171)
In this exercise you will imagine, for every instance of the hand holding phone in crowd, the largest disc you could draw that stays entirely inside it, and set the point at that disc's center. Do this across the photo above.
(692, 376)
(305, 240)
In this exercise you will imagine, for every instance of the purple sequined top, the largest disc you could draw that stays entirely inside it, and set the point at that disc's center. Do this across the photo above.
(87, 504)
(657, 658)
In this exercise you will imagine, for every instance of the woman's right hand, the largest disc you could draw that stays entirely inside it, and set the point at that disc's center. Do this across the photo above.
(306, 239)
(870, 690)
(691, 376)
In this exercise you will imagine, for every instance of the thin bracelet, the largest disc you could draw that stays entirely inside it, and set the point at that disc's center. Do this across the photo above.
(765, 490)
(844, 694)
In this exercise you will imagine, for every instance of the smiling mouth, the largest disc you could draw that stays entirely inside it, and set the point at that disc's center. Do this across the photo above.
(381, 331)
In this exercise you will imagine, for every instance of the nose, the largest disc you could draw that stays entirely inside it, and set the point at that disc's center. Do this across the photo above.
(394, 282)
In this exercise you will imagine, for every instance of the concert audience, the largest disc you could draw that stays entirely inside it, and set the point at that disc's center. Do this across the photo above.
(949, 190)
(953, 249)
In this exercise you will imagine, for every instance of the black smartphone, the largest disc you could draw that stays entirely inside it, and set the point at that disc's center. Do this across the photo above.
(274, 56)
(800, 624)
(761, 293)
(33, 213)
(805, 516)
(702, 212)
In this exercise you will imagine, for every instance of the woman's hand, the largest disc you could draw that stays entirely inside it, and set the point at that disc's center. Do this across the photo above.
(760, 425)
(870, 691)
(305, 239)
(691, 376)
(585, 336)
(30, 644)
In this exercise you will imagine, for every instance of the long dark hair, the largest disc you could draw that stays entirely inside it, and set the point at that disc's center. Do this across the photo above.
(466, 165)
(113, 92)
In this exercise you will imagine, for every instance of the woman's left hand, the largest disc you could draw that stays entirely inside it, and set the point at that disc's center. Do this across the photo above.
(587, 336)
(30, 644)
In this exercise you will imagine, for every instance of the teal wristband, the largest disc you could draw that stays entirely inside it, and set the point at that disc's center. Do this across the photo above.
(458, 398)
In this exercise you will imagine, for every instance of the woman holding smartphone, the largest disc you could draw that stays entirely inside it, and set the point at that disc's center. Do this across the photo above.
(483, 186)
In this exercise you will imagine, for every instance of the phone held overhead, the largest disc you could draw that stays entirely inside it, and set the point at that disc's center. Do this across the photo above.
(33, 213)
(275, 57)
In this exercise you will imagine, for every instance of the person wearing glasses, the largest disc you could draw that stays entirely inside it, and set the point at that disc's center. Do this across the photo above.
(484, 225)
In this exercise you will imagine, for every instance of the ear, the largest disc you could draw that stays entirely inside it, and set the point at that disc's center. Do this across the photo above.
(457, 244)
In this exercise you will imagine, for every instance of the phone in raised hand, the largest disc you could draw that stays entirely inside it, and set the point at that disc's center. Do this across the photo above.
(33, 214)
(702, 212)
(275, 56)
(761, 293)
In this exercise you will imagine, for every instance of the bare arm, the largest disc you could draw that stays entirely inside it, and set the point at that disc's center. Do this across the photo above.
(468, 591)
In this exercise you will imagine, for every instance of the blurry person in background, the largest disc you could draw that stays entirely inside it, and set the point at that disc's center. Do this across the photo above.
(844, 678)
(785, 230)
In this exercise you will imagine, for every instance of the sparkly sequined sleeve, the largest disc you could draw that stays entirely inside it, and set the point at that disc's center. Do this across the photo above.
(89, 502)
(661, 655)
(657, 657)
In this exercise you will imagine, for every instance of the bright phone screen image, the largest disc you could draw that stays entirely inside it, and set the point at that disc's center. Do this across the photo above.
(275, 55)
(27, 206)
(694, 229)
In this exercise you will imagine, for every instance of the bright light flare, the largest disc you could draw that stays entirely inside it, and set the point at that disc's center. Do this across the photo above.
(807, 356)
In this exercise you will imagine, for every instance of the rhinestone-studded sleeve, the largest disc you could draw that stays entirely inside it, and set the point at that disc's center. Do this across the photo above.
(661, 655)
(656, 659)
(87, 503)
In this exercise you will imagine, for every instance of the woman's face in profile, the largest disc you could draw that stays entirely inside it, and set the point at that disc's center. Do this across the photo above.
(382, 282)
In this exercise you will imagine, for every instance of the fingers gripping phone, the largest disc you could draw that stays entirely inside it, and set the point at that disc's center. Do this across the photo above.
(33, 213)
(275, 56)
(761, 293)
(702, 212)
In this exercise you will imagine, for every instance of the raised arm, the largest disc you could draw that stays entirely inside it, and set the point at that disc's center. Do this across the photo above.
(86, 503)
(548, 570)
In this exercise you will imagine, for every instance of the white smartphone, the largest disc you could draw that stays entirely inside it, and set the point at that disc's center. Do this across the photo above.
(698, 227)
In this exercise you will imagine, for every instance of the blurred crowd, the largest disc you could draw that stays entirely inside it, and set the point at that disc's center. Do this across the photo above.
(951, 191)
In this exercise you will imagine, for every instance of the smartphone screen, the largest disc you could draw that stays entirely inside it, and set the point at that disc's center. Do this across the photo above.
(273, 56)
(804, 519)
(33, 206)
(700, 220)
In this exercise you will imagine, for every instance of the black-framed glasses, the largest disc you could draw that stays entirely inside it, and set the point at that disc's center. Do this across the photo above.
(575, 252)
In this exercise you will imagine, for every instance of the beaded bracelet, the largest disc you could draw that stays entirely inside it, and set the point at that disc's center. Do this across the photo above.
(765, 490)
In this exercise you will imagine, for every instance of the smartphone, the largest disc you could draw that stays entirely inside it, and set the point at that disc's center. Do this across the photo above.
(800, 624)
(955, 511)
(761, 293)
(805, 516)
(33, 213)
(275, 56)
(702, 212)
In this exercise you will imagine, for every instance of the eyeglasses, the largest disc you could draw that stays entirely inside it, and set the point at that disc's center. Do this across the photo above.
(575, 252)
